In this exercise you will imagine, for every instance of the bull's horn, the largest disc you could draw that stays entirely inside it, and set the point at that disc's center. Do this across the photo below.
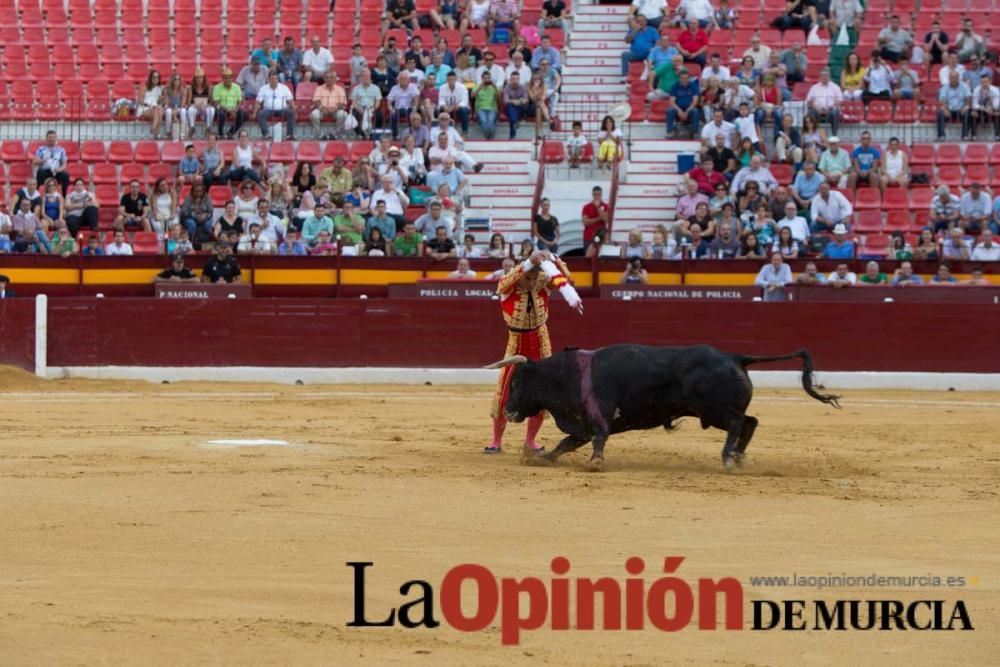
(509, 361)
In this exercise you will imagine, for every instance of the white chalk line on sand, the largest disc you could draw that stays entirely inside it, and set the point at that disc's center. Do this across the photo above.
(100, 397)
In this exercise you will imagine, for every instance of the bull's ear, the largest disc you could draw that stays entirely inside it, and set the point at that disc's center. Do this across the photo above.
(509, 361)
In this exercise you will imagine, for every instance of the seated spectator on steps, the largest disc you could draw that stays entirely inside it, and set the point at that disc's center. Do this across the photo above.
(133, 209)
(872, 275)
(756, 172)
(254, 243)
(878, 79)
(81, 208)
(946, 210)
(51, 160)
(693, 44)
(896, 166)
(705, 177)
(866, 163)
(275, 100)
(828, 209)
(694, 245)
(943, 276)
(977, 278)
(904, 276)
(324, 245)
(503, 14)
(149, 106)
(835, 164)
(842, 277)
(329, 102)
(786, 245)
(975, 209)
(894, 41)
(400, 14)
(641, 39)
(796, 223)
(292, 246)
(986, 250)
(839, 247)
(773, 277)
(824, 98)
(463, 272)
(635, 247)
(634, 273)
(317, 222)
(725, 245)
(810, 276)
(955, 246)
(806, 185)
(852, 77)
(118, 246)
(954, 104)
(409, 243)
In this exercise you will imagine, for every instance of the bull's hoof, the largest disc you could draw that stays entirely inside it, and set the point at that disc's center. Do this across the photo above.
(595, 464)
(733, 462)
(534, 457)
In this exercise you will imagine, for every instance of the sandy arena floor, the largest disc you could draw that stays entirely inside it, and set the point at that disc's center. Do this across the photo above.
(124, 540)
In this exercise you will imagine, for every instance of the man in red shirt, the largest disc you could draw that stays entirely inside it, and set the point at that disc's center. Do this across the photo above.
(706, 177)
(595, 221)
(693, 44)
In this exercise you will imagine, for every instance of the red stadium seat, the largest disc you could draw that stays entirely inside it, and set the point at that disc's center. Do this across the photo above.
(172, 152)
(220, 194)
(94, 151)
(920, 198)
(133, 172)
(976, 173)
(949, 154)
(309, 151)
(282, 152)
(161, 170)
(876, 245)
(357, 149)
(147, 243)
(880, 111)
(867, 198)
(895, 199)
(147, 152)
(782, 172)
(105, 173)
(553, 152)
(922, 154)
(13, 151)
(906, 112)
(868, 221)
(898, 221)
(976, 154)
(949, 174)
(852, 111)
(120, 152)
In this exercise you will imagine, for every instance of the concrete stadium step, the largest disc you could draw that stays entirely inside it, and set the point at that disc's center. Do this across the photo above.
(502, 169)
(486, 179)
(643, 203)
(645, 190)
(611, 45)
(590, 10)
(496, 157)
(610, 91)
(512, 226)
(505, 190)
(583, 68)
(573, 81)
(599, 56)
(483, 200)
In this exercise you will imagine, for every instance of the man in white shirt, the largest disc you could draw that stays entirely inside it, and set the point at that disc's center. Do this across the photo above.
(718, 126)
(842, 277)
(118, 246)
(879, 78)
(518, 65)
(986, 250)
(453, 99)
(316, 61)
(654, 11)
(272, 228)
(463, 272)
(824, 99)
(497, 74)
(986, 107)
(716, 69)
(795, 222)
(956, 246)
(698, 10)
(395, 201)
(952, 65)
(447, 142)
(754, 172)
(829, 208)
(275, 100)
(758, 52)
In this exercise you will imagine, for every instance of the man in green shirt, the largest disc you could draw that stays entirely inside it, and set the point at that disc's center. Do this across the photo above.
(317, 222)
(872, 276)
(336, 178)
(349, 225)
(663, 78)
(228, 99)
(409, 243)
(487, 105)
(835, 164)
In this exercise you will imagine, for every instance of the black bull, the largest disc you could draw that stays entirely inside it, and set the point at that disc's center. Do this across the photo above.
(592, 394)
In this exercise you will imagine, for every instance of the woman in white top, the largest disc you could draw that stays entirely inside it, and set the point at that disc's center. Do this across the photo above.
(246, 200)
(476, 15)
(412, 160)
(149, 102)
(897, 166)
(245, 156)
(163, 201)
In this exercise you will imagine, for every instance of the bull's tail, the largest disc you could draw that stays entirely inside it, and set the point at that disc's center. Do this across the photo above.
(807, 372)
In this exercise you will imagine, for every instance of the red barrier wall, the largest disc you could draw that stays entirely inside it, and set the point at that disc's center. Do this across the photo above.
(17, 333)
(427, 333)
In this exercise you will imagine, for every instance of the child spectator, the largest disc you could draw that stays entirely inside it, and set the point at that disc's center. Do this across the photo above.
(575, 145)
(189, 169)
(358, 64)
